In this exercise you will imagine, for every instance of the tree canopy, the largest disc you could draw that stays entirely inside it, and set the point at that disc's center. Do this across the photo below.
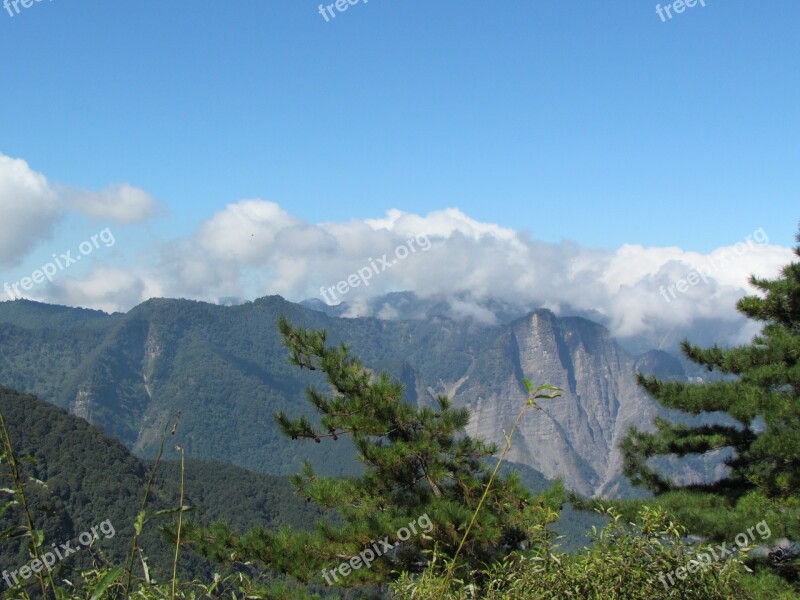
(759, 394)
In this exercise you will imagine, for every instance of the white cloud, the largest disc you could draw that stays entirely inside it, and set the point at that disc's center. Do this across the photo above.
(121, 203)
(442, 223)
(255, 247)
(463, 309)
(103, 288)
(29, 210)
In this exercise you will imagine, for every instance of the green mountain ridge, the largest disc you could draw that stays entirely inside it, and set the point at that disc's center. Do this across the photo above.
(89, 478)
(225, 369)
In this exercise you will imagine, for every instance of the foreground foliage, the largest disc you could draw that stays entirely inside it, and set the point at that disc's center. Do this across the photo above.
(626, 562)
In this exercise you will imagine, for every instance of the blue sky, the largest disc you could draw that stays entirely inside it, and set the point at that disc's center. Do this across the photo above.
(593, 123)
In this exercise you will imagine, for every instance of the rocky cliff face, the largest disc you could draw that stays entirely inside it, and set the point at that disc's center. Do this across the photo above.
(575, 436)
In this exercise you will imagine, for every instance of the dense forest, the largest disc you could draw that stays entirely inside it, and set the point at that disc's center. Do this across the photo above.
(76, 477)
(224, 369)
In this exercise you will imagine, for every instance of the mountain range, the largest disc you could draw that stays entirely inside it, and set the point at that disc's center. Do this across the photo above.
(223, 367)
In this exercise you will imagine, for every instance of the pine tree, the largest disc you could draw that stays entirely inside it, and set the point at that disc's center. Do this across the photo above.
(760, 391)
(418, 464)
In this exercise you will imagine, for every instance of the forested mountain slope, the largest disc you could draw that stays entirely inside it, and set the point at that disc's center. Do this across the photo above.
(225, 370)
(87, 479)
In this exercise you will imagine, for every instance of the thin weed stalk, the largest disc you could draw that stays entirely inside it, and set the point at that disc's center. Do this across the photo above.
(140, 518)
(180, 523)
(543, 392)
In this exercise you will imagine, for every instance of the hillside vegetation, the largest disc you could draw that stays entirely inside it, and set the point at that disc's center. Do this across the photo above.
(77, 477)
(224, 369)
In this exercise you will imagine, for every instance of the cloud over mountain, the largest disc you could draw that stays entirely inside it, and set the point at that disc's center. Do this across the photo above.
(254, 247)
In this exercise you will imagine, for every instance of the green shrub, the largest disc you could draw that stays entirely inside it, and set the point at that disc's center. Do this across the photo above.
(626, 562)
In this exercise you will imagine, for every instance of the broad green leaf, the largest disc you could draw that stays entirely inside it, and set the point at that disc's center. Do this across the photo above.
(146, 570)
(37, 537)
(106, 581)
(528, 384)
(139, 523)
(11, 533)
(170, 511)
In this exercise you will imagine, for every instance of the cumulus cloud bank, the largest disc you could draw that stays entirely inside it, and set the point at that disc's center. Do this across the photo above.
(29, 210)
(121, 203)
(255, 247)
